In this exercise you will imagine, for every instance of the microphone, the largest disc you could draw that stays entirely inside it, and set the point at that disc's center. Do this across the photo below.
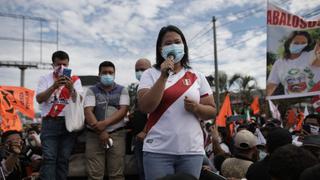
(170, 56)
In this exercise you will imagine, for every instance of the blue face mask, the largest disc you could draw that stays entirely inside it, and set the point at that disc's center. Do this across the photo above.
(107, 80)
(138, 75)
(296, 48)
(176, 49)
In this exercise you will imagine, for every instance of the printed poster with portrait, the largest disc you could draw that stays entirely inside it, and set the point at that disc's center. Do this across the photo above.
(293, 55)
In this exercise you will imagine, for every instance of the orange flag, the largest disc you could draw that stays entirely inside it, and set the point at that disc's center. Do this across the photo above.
(225, 112)
(19, 98)
(255, 105)
(291, 118)
(300, 119)
(9, 117)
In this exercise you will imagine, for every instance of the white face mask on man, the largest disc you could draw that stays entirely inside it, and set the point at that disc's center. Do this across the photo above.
(314, 130)
(58, 70)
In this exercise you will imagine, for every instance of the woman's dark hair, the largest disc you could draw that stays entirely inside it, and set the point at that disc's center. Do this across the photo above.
(106, 64)
(292, 36)
(159, 58)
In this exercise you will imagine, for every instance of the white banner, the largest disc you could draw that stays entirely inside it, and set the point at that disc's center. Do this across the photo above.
(293, 55)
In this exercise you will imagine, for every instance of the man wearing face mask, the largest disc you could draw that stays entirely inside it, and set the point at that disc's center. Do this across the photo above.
(11, 157)
(276, 138)
(137, 118)
(105, 107)
(53, 92)
(311, 125)
(299, 69)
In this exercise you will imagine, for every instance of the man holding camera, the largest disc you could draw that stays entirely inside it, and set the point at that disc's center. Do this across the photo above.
(53, 92)
(12, 166)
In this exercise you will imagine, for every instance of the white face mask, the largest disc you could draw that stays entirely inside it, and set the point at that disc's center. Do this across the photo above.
(314, 130)
(58, 70)
(262, 155)
(176, 49)
(138, 75)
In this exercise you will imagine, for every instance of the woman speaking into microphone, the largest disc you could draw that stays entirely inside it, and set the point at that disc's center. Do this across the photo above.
(176, 98)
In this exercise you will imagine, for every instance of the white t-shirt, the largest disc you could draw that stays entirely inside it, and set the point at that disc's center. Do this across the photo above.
(44, 83)
(90, 101)
(297, 76)
(177, 131)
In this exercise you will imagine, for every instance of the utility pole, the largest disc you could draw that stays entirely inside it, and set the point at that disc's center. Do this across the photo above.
(216, 75)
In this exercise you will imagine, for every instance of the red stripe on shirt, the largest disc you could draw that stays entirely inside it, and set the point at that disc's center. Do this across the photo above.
(205, 95)
(56, 109)
(170, 95)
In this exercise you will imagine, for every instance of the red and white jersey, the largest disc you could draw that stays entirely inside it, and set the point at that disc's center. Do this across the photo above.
(172, 129)
(54, 106)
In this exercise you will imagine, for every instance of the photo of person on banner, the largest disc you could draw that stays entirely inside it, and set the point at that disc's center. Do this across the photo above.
(298, 70)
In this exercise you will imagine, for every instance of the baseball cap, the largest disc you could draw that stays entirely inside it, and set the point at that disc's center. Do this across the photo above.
(244, 139)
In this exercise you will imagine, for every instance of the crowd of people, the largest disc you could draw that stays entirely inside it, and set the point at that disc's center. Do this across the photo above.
(171, 114)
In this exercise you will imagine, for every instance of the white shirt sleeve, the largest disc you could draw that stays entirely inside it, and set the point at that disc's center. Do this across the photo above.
(274, 74)
(42, 85)
(205, 88)
(146, 80)
(124, 98)
(78, 86)
(89, 99)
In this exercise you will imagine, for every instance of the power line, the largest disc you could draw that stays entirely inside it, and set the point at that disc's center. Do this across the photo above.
(231, 45)
(198, 58)
(314, 12)
(235, 32)
(228, 22)
(242, 17)
(240, 42)
(233, 14)
(245, 29)
(199, 32)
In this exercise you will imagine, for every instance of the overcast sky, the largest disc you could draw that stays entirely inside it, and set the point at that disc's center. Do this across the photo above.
(92, 31)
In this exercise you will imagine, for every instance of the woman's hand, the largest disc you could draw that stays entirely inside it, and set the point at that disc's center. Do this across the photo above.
(141, 135)
(190, 105)
(166, 66)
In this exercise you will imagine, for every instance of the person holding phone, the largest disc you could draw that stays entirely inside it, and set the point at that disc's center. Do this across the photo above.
(53, 92)
(176, 98)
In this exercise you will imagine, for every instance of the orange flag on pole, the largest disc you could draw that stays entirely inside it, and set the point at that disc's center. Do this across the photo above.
(19, 98)
(9, 117)
(255, 105)
(300, 119)
(225, 112)
(291, 118)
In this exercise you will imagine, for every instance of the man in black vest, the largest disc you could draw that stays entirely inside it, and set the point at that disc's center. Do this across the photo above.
(137, 118)
(105, 107)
